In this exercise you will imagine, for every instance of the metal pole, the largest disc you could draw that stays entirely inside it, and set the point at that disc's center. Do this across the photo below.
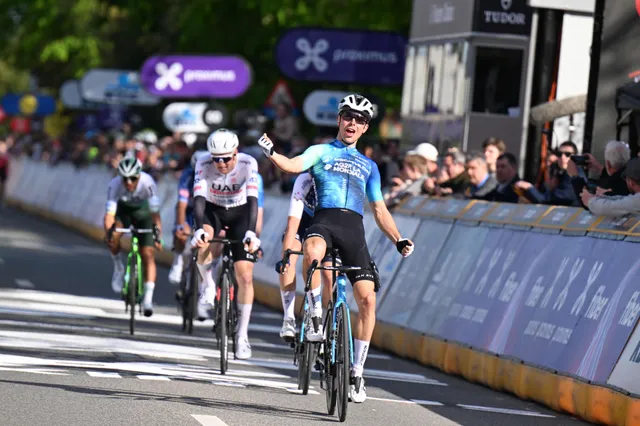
(531, 62)
(594, 69)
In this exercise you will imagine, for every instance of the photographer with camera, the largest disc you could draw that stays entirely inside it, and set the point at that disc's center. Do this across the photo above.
(603, 204)
(610, 180)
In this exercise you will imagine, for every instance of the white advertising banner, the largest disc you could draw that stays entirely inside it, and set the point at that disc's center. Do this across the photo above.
(115, 87)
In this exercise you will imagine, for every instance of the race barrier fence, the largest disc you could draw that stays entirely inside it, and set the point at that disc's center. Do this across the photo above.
(541, 301)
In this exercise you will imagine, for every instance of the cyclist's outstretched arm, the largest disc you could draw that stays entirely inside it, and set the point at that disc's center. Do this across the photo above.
(292, 165)
(385, 221)
(111, 206)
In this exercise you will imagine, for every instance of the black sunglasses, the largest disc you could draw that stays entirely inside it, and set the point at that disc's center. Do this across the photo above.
(223, 159)
(348, 116)
(566, 154)
(131, 179)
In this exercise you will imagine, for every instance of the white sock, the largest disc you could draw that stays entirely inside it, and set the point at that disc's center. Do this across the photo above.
(149, 286)
(244, 314)
(288, 304)
(360, 350)
(207, 277)
(315, 301)
(117, 261)
(177, 260)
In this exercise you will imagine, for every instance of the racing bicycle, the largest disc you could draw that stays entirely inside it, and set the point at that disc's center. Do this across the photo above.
(303, 350)
(337, 348)
(226, 310)
(133, 290)
(188, 294)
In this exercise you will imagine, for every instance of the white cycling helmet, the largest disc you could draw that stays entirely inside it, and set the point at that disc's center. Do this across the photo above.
(222, 141)
(357, 103)
(129, 166)
(197, 156)
(146, 136)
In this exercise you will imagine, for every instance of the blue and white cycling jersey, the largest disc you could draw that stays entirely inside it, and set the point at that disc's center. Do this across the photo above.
(343, 176)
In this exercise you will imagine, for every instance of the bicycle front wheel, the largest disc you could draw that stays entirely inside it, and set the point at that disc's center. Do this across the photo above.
(132, 293)
(343, 360)
(224, 324)
(329, 371)
(192, 299)
(305, 357)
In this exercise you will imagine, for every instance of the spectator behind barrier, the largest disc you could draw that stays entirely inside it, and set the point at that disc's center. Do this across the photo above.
(616, 156)
(493, 148)
(602, 204)
(458, 182)
(412, 177)
(507, 176)
(481, 182)
(429, 153)
(555, 190)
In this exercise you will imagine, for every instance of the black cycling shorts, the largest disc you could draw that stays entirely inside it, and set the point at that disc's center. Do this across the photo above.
(237, 220)
(343, 229)
(305, 222)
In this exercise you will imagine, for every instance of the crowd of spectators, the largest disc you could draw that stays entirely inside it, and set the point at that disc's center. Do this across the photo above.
(490, 175)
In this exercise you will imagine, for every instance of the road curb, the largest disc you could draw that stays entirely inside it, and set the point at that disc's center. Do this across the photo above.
(591, 402)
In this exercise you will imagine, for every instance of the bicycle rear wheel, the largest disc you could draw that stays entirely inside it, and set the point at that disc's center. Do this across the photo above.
(224, 324)
(343, 361)
(132, 293)
(192, 300)
(305, 356)
(329, 378)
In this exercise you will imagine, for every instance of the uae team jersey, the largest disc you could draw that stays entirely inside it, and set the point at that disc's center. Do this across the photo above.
(343, 176)
(185, 188)
(230, 190)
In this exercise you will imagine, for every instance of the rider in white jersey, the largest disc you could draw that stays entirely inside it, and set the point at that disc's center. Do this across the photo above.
(132, 199)
(301, 210)
(225, 193)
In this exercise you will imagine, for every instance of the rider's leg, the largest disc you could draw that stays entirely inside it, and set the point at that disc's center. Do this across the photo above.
(315, 247)
(244, 276)
(288, 284)
(208, 289)
(118, 265)
(149, 262)
(175, 273)
(365, 296)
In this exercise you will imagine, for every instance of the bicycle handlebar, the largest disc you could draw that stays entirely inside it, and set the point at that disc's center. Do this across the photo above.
(287, 255)
(133, 230)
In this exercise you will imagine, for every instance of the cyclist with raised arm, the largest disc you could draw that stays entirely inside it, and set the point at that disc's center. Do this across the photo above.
(301, 209)
(343, 178)
(132, 199)
(226, 194)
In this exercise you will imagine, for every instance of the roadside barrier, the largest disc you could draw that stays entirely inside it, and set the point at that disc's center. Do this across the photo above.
(536, 300)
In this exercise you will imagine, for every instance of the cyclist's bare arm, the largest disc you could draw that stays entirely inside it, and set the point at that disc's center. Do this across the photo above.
(385, 221)
(287, 165)
(181, 212)
(290, 233)
(260, 220)
(109, 220)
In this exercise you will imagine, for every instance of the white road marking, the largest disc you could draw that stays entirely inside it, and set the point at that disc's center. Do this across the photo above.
(371, 373)
(105, 375)
(402, 401)
(231, 385)
(504, 411)
(426, 402)
(158, 378)
(299, 392)
(208, 420)
(24, 283)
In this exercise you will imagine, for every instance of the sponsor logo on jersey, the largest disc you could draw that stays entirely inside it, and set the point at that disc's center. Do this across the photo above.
(184, 193)
(197, 188)
(219, 187)
(348, 168)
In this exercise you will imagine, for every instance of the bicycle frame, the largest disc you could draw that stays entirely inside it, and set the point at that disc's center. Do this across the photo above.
(339, 297)
(133, 252)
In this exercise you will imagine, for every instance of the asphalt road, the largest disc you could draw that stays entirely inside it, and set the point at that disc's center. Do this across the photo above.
(66, 357)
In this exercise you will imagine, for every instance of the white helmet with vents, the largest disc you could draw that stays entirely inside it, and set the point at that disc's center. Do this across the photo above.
(129, 167)
(222, 141)
(357, 103)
